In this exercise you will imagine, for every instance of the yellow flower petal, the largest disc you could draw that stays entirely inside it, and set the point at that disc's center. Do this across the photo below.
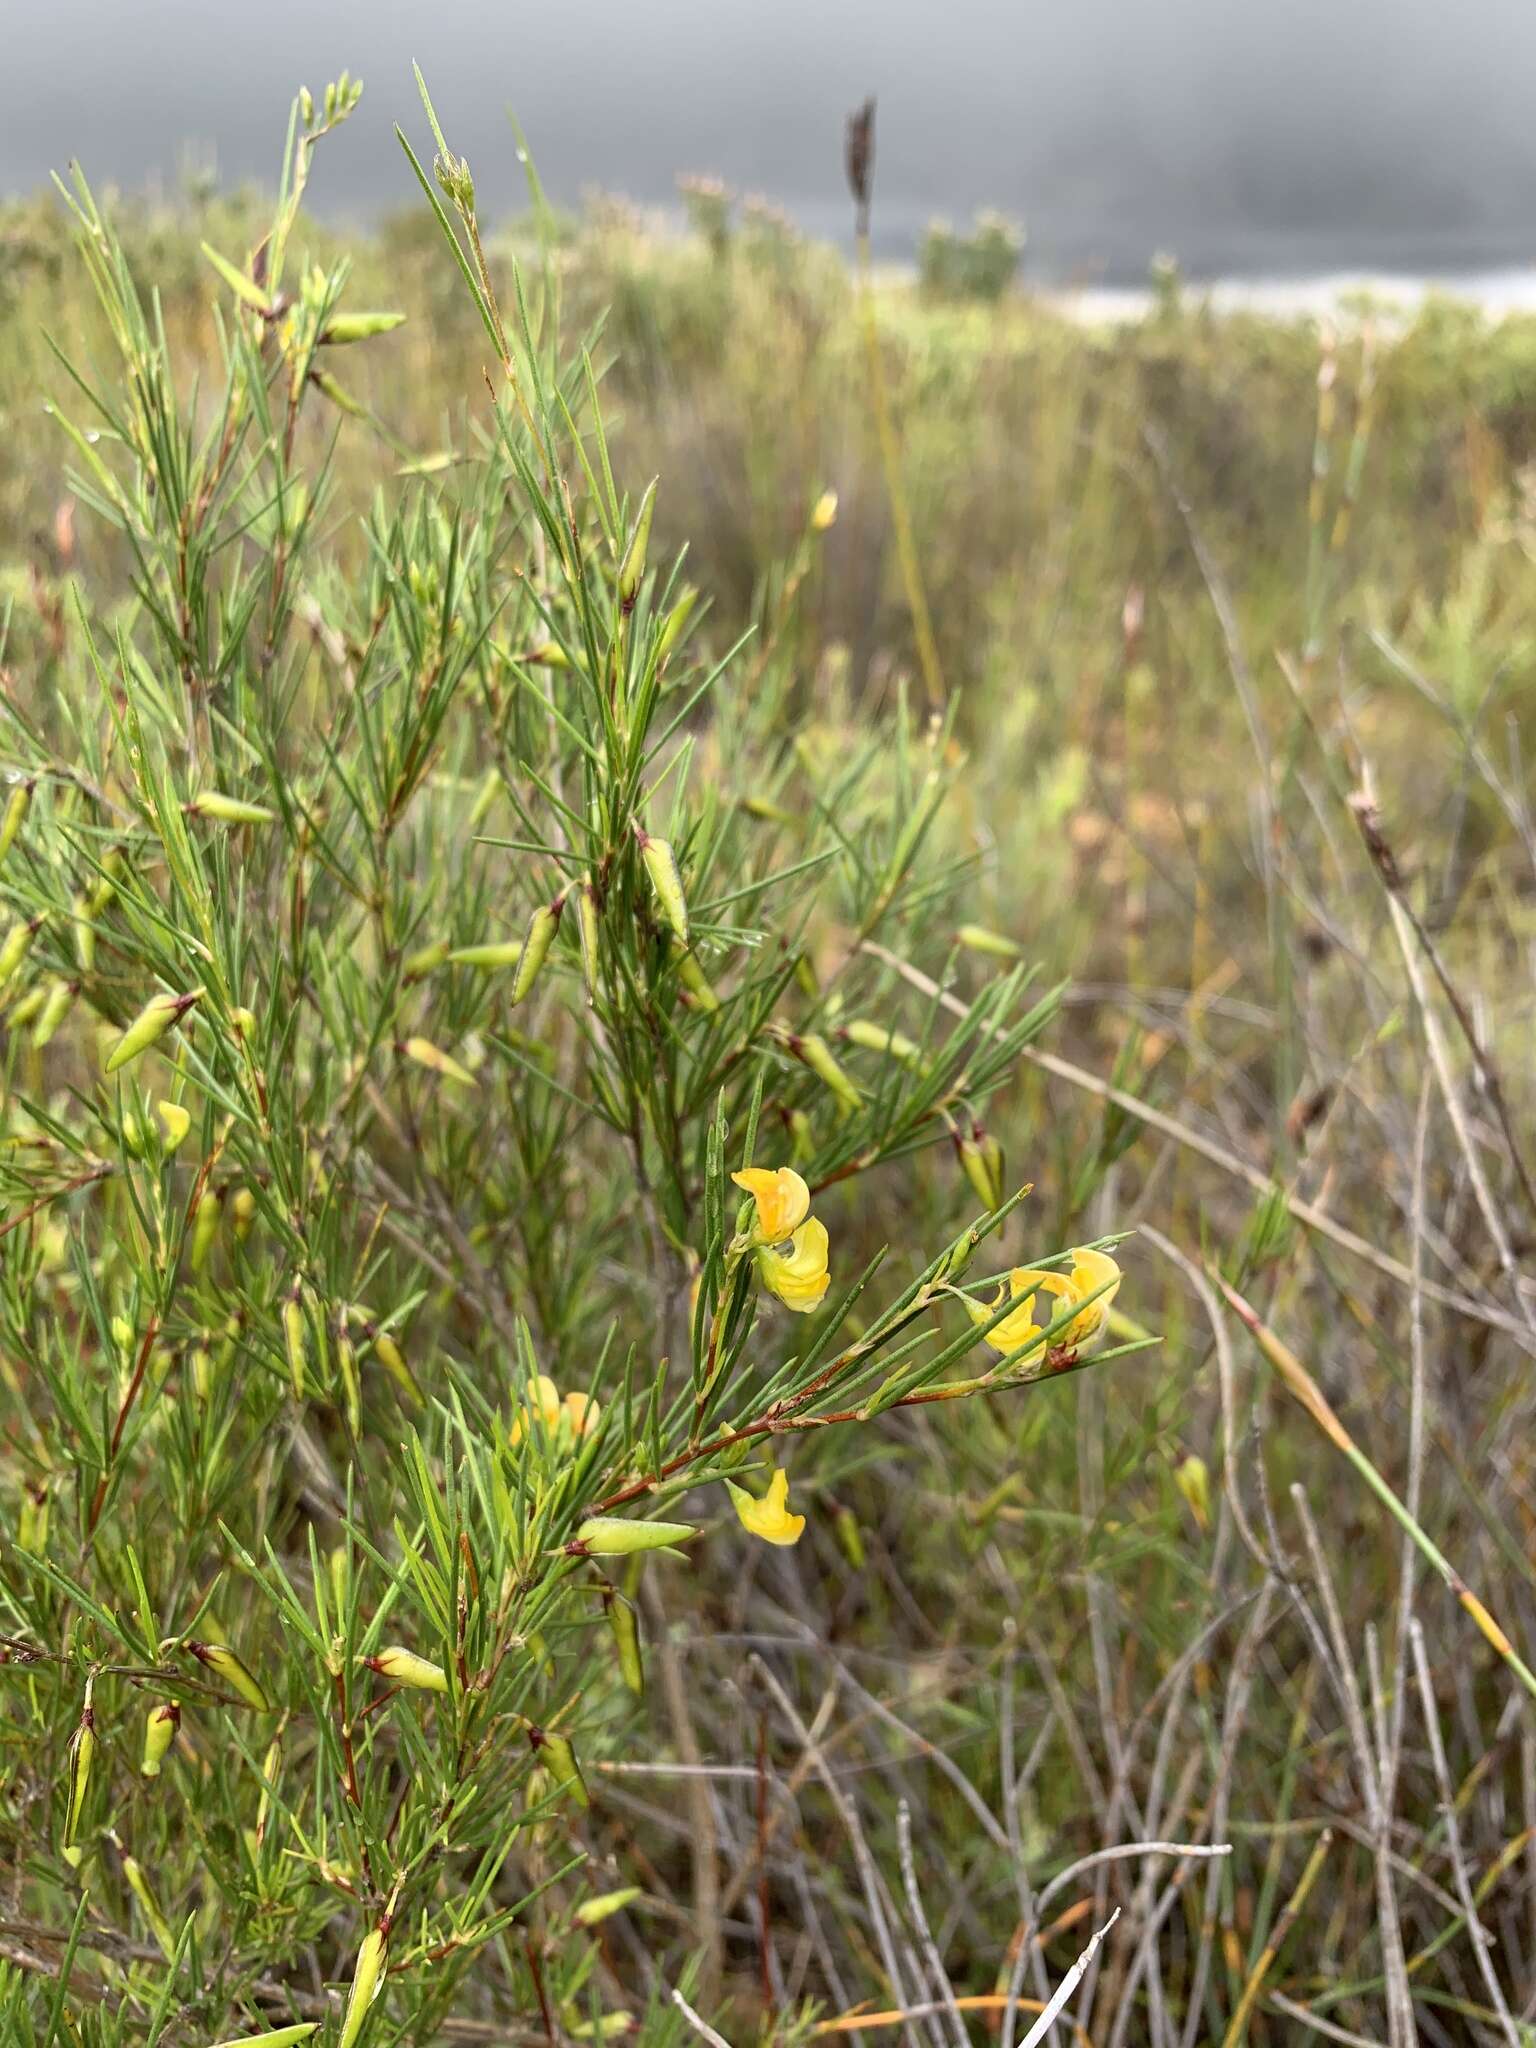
(1019, 1331)
(782, 1197)
(799, 1277)
(768, 1518)
(1090, 1271)
(581, 1412)
(545, 1409)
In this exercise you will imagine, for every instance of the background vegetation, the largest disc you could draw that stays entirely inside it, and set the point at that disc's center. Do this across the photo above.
(1234, 629)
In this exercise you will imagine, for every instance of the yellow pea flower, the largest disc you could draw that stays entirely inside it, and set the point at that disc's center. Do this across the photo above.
(799, 1277)
(579, 1412)
(768, 1518)
(1018, 1331)
(1091, 1271)
(782, 1197)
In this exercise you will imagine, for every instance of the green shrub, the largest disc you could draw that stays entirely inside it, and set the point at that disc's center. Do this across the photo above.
(416, 930)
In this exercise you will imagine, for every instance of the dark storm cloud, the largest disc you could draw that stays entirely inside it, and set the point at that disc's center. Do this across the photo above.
(1239, 135)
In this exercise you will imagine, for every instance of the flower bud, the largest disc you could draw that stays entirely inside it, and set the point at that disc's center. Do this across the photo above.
(404, 1667)
(542, 927)
(17, 805)
(615, 1536)
(351, 1386)
(632, 567)
(1194, 1483)
(159, 1734)
(244, 1022)
(152, 1022)
(242, 1210)
(177, 1121)
(85, 936)
(824, 511)
(227, 1667)
(227, 810)
(661, 867)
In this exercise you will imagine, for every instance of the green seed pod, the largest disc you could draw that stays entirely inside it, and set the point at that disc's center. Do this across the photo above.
(152, 1023)
(60, 995)
(85, 937)
(17, 945)
(426, 1054)
(614, 1536)
(242, 1211)
(82, 1751)
(205, 1227)
(586, 932)
(367, 1982)
(592, 1912)
(227, 810)
(17, 805)
(159, 1733)
(417, 966)
(295, 1341)
(559, 1759)
(982, 940)
(393, 1360)
(138, 1884)
(201, 1366)
(624, 1624)
(632, 567)
(878, 1038)
(351, 1386)
(403, 1667)
(695, 981)
(850, 1537)
(27, 1007)
(542, 927)
(818, 1056)
(485, 796)
(275, 2037)
(32, 1523)
(666, 881)
(104, 888)
(227, 1667)
(672, 625)
(981, 1159)
(498, 953)
(347, 327)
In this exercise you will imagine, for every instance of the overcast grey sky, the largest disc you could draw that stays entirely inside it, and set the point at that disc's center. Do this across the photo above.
(1254, 136)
